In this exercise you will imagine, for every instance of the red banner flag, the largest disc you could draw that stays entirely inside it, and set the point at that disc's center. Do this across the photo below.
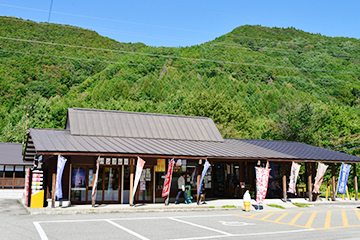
(262, 180)
(167, 182)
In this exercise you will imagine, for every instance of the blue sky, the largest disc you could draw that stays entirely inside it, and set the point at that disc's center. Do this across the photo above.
(187, 23)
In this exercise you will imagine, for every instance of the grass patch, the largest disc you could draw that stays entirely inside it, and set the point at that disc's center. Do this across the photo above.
(276, 206)
(302, 204)
(211, 207)
(228, 206)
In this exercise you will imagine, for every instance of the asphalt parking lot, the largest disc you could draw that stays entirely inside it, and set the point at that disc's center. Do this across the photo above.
(216, 225)
(327, 221)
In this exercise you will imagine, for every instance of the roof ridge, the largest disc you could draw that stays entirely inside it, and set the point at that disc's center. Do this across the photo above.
(8, 143)
(143, 113)
(53, 129)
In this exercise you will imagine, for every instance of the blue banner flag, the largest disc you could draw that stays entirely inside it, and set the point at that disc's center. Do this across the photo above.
(206, 167)
(343, 178)
(60, 168)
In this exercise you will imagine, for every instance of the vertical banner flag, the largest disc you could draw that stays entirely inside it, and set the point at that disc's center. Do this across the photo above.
(96, 177)
(320, 173)
(59, 171)
(206, 167)
(262, 180)
(343, 178)
(139, 167)
(295, 168)
(167, 182)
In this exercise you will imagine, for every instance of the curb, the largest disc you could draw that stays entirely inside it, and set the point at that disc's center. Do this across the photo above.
(69, 211)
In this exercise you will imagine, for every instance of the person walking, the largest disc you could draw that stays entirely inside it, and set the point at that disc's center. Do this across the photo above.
(181, 187)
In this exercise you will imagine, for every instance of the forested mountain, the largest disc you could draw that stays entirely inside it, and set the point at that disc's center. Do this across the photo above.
(254, 82)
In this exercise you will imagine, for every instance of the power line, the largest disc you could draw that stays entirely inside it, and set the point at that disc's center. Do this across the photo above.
(183, 69)
(265, 48)
(282, 41)
(51, 4)
(349, 148)
(187, 39)
(344, 144)
(109, 30)
(111, 20)
(173, 57)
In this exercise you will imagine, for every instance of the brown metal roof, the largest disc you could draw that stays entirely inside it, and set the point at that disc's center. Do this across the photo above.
(62, 141)
(106, 123)
(302, 151)
(11, 154)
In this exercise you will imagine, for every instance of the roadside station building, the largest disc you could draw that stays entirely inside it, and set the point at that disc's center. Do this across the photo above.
(120, 137)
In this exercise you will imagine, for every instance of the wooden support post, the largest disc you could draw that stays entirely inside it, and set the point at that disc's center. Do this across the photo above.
(131, 200)
(309, 181)
(306, 178)
(333, 181)
(53, 190)
(13, 180)
(355, 183)
(284, 182)
(242, 177)
(313, 175)
(212, 178)
(3, 181)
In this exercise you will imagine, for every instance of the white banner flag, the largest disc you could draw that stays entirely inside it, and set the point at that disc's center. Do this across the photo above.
(139, 168)
(295, 168)
(319, 177)
(59, 171)
(96, 177)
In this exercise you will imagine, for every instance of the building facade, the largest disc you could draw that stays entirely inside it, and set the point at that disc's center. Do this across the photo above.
(118, 138)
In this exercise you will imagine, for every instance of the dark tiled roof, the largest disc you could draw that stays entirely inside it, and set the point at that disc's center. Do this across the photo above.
(50, 140)
(107, 123)
(302, 151)
(11, 154)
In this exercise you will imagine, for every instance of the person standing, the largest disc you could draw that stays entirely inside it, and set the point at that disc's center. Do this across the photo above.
(181, 187)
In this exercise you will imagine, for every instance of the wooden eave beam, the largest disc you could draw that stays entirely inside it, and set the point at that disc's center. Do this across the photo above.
(187, 157)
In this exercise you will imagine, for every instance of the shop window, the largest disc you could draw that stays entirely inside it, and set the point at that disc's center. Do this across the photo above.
(126, 177)
(111, 184)
(160, 172)
(19, 172)
(9, 170)
(2, 171)
(78, 184)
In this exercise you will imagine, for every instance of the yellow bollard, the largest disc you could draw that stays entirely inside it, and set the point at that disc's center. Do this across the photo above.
(347, 193)
(328, 191)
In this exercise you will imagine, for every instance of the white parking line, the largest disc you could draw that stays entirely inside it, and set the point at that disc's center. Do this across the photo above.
(135, 218)
(242, 235)
(199, 226)
(127, 230)
(40, 231)
(43, 236)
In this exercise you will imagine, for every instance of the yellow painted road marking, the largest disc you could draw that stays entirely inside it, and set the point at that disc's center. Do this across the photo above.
(328, 219)
(357, 213)
(311, 219)
(254, 215)
(345, 221)
(281, 217)
(266, 216)
(295, 218)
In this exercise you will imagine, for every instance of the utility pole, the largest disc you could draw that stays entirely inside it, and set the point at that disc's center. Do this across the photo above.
(26, 119)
